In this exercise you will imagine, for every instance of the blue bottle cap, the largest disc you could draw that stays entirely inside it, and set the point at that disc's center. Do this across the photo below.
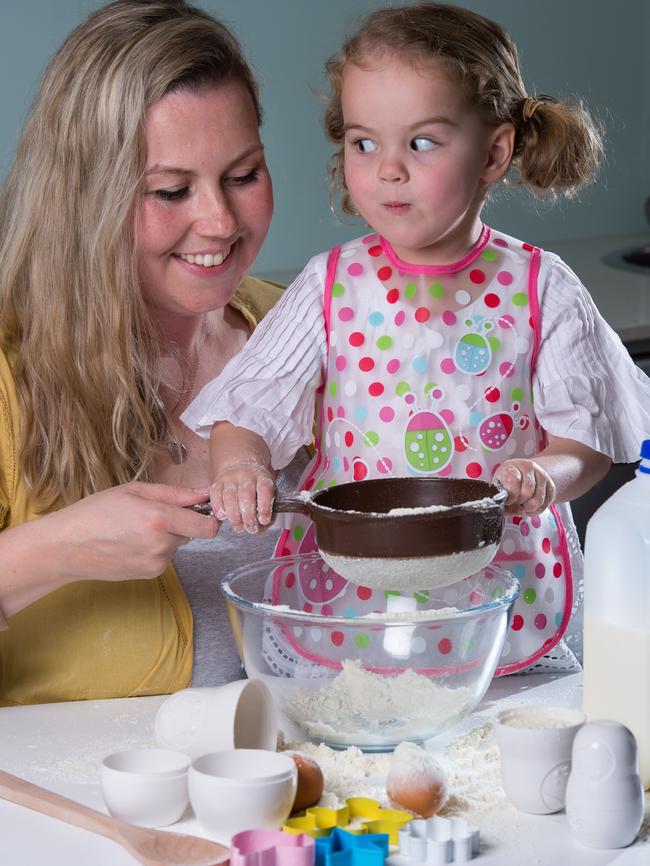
(645, 449)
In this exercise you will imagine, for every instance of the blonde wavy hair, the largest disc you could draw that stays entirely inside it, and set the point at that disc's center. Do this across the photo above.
(72, 318)
(558, 145)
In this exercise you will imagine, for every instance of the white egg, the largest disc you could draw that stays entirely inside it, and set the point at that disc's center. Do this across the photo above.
(416, 781)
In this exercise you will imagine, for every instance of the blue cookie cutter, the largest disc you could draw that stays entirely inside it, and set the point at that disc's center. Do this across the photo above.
(341, 848)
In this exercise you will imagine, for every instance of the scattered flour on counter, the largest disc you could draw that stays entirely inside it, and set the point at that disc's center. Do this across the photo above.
(359, 706)
(348, 773)
(471, 762)
(474, 770)
(65, 756)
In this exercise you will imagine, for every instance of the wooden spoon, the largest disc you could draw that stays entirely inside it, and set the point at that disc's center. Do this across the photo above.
(150, 847)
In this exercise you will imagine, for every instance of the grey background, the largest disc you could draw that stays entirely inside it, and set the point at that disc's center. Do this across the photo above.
(594, 48)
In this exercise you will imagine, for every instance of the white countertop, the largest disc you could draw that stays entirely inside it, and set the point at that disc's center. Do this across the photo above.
(60, 747)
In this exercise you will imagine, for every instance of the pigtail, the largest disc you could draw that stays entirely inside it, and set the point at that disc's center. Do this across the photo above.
(558, 146)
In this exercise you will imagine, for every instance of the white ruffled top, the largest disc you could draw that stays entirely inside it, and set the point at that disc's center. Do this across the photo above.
(585, 385)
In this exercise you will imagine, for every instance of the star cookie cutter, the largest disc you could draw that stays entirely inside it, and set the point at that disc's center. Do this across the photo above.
(271, 848)
(359, 815)
(436, 841)
(341, 848)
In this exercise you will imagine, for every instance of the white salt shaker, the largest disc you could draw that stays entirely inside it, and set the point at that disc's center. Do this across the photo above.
(604, 795)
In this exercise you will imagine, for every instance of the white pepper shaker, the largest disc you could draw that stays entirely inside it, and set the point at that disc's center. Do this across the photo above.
(604, 795)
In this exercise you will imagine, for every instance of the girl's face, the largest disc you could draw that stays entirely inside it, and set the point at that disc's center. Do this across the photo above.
(417, 159)
(207, 202)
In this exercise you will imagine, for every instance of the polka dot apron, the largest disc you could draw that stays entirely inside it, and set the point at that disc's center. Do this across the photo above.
(429, 373)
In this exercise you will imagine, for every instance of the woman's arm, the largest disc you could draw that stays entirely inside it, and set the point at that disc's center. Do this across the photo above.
(125, 533)
(564, 470)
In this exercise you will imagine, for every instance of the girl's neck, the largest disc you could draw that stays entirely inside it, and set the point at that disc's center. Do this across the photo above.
(447, 250)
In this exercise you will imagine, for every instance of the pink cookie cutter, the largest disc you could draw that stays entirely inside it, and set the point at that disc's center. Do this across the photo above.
(271, 848)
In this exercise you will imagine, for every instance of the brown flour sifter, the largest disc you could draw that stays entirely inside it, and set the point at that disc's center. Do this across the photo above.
(404, 532)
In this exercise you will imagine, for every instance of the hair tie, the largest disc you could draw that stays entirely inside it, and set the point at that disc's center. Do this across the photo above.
(529, 107)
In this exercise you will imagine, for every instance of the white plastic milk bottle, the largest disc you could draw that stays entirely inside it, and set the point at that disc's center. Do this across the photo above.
(617, 611)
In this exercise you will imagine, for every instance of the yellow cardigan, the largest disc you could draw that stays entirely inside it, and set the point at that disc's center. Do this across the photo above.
(96, 639)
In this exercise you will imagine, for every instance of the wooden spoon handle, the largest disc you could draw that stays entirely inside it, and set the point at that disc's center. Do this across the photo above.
(56, 806)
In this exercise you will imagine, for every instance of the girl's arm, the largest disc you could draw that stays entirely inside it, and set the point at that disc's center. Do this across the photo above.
(125, 533)
(259, 411)
(564, 470)
(269, 386)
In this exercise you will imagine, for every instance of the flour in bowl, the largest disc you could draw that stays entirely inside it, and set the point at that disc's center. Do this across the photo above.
(359, 706)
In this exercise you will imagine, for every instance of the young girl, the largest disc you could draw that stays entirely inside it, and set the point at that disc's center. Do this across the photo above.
(435, 344)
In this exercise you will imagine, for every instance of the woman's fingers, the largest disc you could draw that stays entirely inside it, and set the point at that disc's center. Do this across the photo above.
(128, 532)
(176, 517)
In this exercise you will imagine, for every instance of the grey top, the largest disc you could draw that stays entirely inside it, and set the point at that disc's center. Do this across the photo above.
(201, 565)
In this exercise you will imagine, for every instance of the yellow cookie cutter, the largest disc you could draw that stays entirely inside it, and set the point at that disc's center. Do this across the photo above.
(320, 821)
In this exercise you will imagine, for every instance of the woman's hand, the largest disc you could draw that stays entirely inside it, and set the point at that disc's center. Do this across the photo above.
(125, 533)
(530, 488)
(132, 531)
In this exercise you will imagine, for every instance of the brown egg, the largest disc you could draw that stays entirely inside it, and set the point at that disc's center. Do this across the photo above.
(416, 781)
(310, 782)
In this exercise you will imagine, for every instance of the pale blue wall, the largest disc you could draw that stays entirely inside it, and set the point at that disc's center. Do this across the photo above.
(595, 48)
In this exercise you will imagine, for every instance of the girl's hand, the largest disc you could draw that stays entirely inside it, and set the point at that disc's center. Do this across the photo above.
(243, 492)
(130, 531)
(530, 488)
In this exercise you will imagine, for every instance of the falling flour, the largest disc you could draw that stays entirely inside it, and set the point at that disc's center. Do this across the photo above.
(359, 706)
(410, 572)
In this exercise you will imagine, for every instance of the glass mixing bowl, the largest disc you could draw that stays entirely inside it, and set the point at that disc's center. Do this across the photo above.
(351, 665)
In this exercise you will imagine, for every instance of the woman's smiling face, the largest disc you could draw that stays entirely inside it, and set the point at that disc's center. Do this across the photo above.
(208, 199)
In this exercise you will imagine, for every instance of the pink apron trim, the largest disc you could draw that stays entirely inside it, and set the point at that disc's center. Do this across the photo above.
(533, 301)
(566, 613)
(451, 268)
(332, 262)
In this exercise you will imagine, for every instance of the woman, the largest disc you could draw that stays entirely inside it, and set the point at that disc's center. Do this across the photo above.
(137, 202)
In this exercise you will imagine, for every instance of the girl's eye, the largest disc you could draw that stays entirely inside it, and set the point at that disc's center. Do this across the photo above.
(365, 145)
(171, 194)
(243, 179)
(420, 144)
